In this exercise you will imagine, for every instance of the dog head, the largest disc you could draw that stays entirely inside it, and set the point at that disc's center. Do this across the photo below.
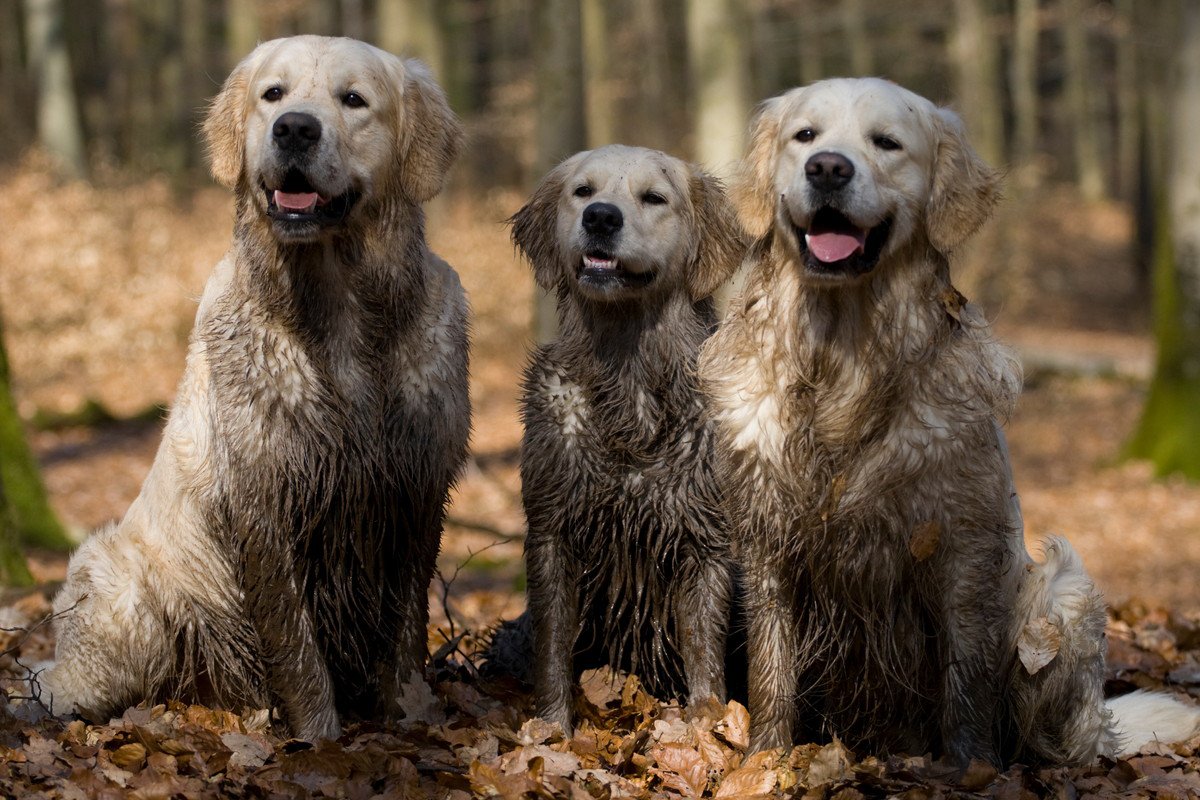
(622, 223)
(314, 127)
(851, 171)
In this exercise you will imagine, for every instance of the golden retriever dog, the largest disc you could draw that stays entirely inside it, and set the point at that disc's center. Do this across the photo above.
(281, 548)
(628, 552)
(890, 598)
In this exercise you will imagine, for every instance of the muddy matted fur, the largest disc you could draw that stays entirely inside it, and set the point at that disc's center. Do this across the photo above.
(282, 545)
(857, 400)
(628, 550)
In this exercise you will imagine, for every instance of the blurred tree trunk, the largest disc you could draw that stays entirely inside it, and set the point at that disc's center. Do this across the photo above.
(978, 66)
(1024, 77)
(242, 30)
(854, 24)
(808, 22)
(561, 119)
(320, 17)
(13, 569)
(26, 505)
(58, 125)
(653, 77)
(720, 77)
(414, 28)
(14, 130)
(194, 89)
(1089, 170)
(353, 20)
(598, 75)
(1128, 89)
(1169, 432)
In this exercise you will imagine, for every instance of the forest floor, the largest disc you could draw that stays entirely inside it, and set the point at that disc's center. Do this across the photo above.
(98, 288)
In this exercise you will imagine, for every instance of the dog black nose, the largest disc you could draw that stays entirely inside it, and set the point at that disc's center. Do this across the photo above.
(828, 171)
(295, 131)
(602, 219)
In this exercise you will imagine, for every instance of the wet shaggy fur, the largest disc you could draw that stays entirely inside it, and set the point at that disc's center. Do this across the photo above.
(858, 402)
(280, 550)
(628, 552)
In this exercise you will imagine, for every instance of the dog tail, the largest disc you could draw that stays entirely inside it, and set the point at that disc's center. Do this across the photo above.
(1141, 718)
(1058, 683)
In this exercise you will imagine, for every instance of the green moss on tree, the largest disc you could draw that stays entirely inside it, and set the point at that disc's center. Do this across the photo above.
(1168, 434)
(13, 569)
(27, 507)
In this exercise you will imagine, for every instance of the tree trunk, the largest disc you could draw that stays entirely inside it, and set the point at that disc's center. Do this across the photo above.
(1127, 101)
(561, 120)
(652, 77)
(413, 28)
(1025, 82)
(720, 72)
(978, 65)
(59, 129)
(242, 30)
(26, 507)
(1089, 171)
(854, 25)
(1169, 432)
(812, 39)
(13, 569)
(598, 72)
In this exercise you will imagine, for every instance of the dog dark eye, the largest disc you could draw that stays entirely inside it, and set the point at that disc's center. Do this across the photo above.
(584, 191)
(886, 143)
(805, 135)
(273, 95)
(654, 199)
(353, 100)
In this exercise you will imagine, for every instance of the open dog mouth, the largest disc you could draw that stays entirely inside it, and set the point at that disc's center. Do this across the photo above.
(601, 269)
(833, 245)
(295, 201)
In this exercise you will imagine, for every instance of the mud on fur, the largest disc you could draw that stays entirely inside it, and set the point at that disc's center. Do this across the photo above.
(628, 553)
(858, 398)
(281, 548)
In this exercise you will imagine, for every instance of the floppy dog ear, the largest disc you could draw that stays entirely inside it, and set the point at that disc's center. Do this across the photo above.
(432, 133)
(719, 247)
(965, 189)
(754, 186)
(535, 228)
(225, 122)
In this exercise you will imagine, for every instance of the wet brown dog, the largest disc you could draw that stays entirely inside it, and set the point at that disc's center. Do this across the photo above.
(282, 545)
(858, 400)
(628, 550)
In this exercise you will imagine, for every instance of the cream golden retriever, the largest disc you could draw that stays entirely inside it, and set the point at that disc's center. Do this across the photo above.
(891, 601)
(280, 550)
(628, 552)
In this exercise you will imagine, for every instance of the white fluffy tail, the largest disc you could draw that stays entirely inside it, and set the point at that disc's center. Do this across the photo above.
(1142, 717)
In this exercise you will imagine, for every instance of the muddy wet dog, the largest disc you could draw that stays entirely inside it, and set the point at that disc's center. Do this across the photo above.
(890, 598)
(628, 550)
(280, 550)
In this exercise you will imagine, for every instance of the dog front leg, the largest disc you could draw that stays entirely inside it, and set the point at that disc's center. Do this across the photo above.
(772, 645)
(703, 624)
(295, 667)
(554, 604)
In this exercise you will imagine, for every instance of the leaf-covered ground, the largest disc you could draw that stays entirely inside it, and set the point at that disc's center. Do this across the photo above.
(463, 735)
(99, 286)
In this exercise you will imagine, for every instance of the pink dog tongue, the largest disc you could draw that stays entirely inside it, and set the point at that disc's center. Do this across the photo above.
(830, 247)
(301, 201)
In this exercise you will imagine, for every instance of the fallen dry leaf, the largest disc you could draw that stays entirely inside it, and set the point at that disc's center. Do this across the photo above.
(1038, 644)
